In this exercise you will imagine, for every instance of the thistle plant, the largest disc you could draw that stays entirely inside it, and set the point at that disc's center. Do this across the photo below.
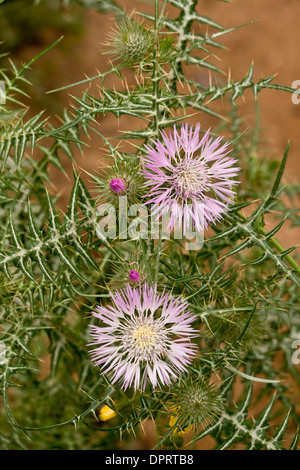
(178, 336)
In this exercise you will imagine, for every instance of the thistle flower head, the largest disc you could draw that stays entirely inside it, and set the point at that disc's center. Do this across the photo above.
(134, 276)
(195, 403)
(189, 176)
(132, 42)
(121, 179)
(133, 270)
(117, 185)
(145, 335)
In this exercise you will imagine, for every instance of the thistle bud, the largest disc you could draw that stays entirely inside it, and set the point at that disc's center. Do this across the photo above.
(132, 42)
(122, 179)
(117, 185)
(134, 276)
(195, 403)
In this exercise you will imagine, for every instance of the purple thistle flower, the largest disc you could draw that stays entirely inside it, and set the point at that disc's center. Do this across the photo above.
(146, 335)
(134, 276)
(190, 176)
(117, 185)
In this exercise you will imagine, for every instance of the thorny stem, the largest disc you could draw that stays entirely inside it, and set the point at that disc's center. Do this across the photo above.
(278, 246)
(155, 76)
(156, 96)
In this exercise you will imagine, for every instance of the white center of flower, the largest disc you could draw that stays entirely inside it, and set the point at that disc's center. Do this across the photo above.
(190, 178)
(144, 339)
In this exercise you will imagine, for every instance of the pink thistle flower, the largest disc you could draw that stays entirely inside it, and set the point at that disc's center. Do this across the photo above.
(145, 335)
(190, 176)
(117, 185)
(134, 276)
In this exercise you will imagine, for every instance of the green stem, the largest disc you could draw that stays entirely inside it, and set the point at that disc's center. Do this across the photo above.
(155, 76)
(159, 250)
(278, 246)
